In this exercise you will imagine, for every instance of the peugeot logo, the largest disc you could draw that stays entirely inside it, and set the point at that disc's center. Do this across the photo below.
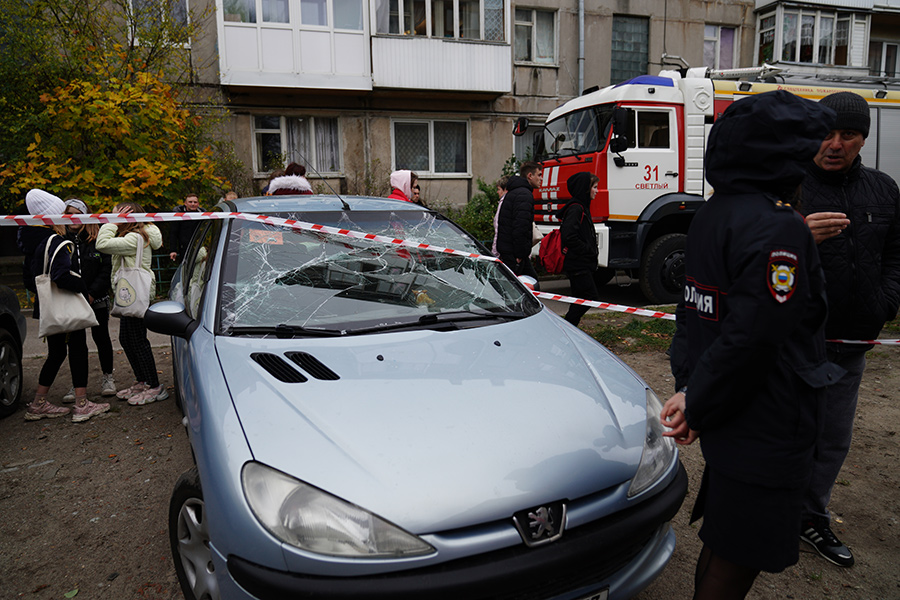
(541, 524)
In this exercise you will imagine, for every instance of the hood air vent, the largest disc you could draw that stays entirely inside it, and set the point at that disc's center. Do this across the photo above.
(313, 366)
(278, 367)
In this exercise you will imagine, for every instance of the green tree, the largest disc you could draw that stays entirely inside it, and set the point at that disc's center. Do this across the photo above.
(67, 66)
(114, 141)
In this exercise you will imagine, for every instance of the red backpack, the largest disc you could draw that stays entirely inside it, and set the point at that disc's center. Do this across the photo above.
(552, 253)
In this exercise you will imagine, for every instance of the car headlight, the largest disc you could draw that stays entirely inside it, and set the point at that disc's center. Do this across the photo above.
(658, 450)
(308, 518)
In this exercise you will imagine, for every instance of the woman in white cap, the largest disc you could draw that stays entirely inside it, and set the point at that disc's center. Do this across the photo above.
(95, 268)
(33, 241)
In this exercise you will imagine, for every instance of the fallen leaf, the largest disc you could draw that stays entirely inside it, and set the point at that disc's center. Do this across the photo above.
(71, 594)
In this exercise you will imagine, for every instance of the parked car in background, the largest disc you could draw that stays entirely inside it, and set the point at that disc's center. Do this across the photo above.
(370, 420)
(12, 337)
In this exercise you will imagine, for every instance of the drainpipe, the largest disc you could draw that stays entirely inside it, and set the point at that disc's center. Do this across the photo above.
(580, 46)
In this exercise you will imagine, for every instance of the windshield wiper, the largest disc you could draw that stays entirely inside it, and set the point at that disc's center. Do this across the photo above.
(444, 319)
(285, 331)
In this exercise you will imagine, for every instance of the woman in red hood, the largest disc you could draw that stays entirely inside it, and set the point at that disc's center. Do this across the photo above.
(402, 183)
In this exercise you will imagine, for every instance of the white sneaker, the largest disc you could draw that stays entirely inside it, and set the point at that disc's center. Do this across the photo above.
(70, 395)
(149, 395)
(107, 385)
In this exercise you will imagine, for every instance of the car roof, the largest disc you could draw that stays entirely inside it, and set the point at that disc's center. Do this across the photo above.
(311, 203)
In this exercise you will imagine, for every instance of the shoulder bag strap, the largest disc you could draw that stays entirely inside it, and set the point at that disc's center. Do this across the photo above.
(55, 252)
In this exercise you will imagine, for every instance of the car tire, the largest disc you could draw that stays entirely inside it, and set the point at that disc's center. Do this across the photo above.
(662, 270)
(189, 538)
(10, 374)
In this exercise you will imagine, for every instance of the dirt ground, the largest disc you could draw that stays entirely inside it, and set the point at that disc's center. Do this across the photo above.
(84, 506)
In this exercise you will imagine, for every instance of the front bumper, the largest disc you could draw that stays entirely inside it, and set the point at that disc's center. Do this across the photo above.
(586, 558)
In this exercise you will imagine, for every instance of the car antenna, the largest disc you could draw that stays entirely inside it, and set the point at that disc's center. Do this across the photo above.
(319, 175)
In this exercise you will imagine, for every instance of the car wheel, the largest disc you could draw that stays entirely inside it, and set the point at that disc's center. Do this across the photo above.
(662, 270)
(189, 538)
(10, 374)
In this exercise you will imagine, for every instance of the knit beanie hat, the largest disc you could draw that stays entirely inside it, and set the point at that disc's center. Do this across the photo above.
(78, 204)
(40, 202)
(852, 111)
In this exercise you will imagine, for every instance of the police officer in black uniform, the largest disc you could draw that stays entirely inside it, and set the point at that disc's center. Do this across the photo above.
(749, 350)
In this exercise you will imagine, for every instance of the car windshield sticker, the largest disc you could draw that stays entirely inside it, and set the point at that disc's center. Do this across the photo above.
(261, 236)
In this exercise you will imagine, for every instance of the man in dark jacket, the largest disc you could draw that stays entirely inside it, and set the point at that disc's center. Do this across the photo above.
(515, 222)
(181, 232)
(749, 349)
(854, 214)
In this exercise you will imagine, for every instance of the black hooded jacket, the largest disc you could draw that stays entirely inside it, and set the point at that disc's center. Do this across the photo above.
(95, 266)
(749, 342)
(577, 233)
(516, 220)
(862, 263)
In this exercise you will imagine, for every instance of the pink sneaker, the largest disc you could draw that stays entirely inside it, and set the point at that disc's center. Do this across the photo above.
(87, 410)
(44, 410)
(149, 395)
(136, 388)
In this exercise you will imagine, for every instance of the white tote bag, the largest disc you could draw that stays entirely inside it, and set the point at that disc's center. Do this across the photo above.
(131, 290)
(61, 310)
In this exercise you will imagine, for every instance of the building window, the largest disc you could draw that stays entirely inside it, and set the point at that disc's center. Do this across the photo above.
(154, 16)
(347, 14)
(439, 147)
(458, 19)
(806, 36)
(313, 142)
(630, 47)
(535, 36)
(883, 59)
(766, 39)
(718, 47)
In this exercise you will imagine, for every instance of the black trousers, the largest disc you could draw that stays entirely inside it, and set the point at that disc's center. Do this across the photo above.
(583, 284)
(133, 337)
(58, 345)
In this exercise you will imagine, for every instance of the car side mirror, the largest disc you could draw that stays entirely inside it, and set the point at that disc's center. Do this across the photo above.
(170, 318)
(520, 127)
(621, 120)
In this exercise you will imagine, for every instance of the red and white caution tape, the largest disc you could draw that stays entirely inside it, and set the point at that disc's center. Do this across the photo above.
(607, 306)
(101, 218)
(199, 216)
(875, 342)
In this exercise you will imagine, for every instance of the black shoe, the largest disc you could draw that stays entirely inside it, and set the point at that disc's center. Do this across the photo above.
(818, 534)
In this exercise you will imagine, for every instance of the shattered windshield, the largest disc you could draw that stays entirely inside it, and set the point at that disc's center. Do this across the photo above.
(579, 131)
(292, 282)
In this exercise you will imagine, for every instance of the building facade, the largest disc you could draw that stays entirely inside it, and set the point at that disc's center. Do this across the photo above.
(356, 88)
(854, 38)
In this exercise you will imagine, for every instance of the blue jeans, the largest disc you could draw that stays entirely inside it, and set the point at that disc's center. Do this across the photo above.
(840, 410)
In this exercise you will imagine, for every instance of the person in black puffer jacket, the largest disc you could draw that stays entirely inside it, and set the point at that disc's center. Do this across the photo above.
(515, 222)
(579, 241)
(854, 214)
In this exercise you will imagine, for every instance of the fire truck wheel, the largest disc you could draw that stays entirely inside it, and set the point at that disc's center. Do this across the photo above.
(662, 270)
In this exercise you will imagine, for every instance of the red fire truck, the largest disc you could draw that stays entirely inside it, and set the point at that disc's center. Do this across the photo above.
(645, 139)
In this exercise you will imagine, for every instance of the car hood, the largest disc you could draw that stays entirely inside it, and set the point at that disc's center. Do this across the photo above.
(438, 430)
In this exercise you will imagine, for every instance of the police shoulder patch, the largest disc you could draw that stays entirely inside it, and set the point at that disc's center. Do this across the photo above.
(782, 274)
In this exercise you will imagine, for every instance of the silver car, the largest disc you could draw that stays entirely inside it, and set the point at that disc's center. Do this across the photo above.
(376, 420)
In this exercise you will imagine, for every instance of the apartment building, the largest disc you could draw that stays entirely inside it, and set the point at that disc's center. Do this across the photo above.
(357, 88)
(855, 38)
